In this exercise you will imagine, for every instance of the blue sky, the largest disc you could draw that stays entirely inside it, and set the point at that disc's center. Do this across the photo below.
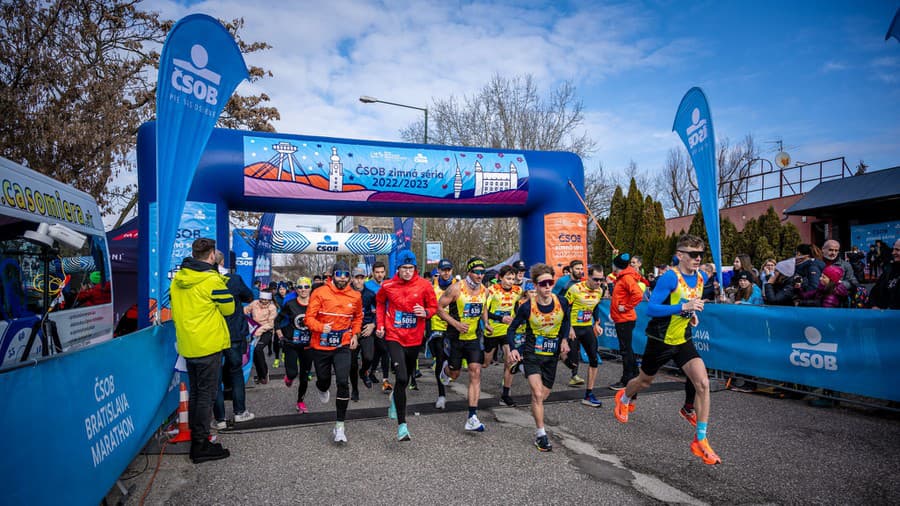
(817, 75)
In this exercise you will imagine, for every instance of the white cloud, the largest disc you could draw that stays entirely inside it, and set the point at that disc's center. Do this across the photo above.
(833, 66)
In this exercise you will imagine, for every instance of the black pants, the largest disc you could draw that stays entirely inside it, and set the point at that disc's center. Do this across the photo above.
(259, 355)
(436, 345)
(624, 332)
(365, 350)
(203, 375)
(297, 362)
(588, 341)
(340, 360)
(403, 359)
(380, 357)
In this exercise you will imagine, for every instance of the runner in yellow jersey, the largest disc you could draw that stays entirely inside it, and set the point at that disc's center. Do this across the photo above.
(501, 305)
(584, 299)
(461, 307)
(546, 318)
(437, 331)
(673, 307)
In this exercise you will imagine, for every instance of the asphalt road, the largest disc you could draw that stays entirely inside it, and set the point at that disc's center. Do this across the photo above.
(774, 451)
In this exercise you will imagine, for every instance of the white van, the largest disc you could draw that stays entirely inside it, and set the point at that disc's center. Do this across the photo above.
(55, 283)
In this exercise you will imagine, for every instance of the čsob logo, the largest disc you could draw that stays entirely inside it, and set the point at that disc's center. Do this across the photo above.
(244, 260)
(185, 76)
(814, 353)
(327, 244)
(696, 133)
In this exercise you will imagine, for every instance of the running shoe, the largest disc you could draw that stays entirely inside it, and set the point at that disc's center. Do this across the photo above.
(690, 416)
(445, 380)
(514, 369)
(402, 433)
(339, 436)
(465, 364)
(542, 443)
(246, 416)
(703, 450)
(301, 407)
(621, 410)
(354, 396)
(417, 373)
(276, 363)
(590, 400)
(473, 424)
(617, 386)
(392, 409)
(506, 400)
(576, 381)
(324, 396)
(386, 386)
(367, 380)
(441, 402)
(288, 381)
(218, 424)
(413, 385)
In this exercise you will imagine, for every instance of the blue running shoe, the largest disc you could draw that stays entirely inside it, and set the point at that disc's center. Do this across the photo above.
(392, 409)
(590, 400)
(402, 433)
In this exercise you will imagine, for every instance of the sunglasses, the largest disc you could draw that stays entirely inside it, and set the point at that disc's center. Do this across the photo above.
(342, 274)
(478, 272)
(693, 254)
(304, 287)
(597, 280)
(545, 283)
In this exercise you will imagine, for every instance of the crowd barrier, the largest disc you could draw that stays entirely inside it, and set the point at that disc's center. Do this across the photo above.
(848, 350)
(73, 422)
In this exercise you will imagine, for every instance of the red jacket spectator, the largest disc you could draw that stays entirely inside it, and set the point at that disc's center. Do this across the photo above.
(627, 293)
(394, 305)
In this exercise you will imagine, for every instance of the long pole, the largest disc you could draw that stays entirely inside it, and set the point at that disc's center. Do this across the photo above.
(425, 218)
(591, 214)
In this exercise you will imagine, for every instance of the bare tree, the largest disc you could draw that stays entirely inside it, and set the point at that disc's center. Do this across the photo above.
(677, 182)
(77, 78)
(734, 168)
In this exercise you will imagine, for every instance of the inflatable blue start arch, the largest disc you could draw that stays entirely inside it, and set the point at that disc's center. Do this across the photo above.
(281, 173)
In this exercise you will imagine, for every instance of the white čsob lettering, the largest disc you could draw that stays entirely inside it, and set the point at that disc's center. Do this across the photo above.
(814, 360)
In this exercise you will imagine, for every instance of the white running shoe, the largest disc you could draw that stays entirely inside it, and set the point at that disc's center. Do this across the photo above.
(324, 396)
(339, 436)
(246, 416)
(218, 424)
(444, 378)
(441, 402)
(473, 424)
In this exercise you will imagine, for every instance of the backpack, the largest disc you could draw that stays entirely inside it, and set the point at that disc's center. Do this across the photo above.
(859, 298)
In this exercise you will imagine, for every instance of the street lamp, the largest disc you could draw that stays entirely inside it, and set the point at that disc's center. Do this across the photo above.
(372, 100)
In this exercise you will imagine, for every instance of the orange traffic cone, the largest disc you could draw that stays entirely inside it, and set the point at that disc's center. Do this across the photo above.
(184, 432)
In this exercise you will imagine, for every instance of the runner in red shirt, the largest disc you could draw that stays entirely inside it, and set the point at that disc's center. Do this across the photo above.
(403, 305)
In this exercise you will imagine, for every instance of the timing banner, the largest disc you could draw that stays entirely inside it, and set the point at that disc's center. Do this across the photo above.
(847, 350)
(352, 172)
(80, 418)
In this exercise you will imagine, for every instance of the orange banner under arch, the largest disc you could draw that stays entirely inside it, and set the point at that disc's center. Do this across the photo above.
(565, 239)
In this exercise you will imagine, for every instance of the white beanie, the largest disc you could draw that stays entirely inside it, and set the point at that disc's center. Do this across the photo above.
(265, 295)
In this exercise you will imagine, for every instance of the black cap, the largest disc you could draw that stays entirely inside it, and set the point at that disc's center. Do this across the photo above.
(340, 265)
(444, 264)
(474, 263)
(519, 265)
(622, 260)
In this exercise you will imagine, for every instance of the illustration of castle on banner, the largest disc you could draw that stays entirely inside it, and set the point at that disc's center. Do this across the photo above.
(360, 173)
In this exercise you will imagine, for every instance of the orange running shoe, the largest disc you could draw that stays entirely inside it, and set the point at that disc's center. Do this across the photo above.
(690, 416)
(631, 406)
(621, 410)
(703, 450)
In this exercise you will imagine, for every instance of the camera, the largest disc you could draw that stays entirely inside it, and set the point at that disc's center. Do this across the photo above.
(46, 234)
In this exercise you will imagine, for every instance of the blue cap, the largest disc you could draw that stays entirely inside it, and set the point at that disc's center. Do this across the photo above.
(444, 264)
(406, 257)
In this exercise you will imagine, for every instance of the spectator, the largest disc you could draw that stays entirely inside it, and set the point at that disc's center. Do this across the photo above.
(831, 251)
(779, 288)
(95, 293)
(886, 292)
(857, 261)
(711, 287)
(747, 292)
(884, 254)
(768, 269)
(830, 292)
(808, 267)
(742, 262)
(200, 302)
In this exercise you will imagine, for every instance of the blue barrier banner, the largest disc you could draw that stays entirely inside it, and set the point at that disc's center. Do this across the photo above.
(848, 350)
(199, 68)
(693, 123)
(78, 419)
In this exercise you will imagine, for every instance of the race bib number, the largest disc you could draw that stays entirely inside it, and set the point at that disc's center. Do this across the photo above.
(519, 340)
(301, 336)
(584, 316)
(501, 314)
(405, 320)
(545, 345)
(472, 310)
(332, 339)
